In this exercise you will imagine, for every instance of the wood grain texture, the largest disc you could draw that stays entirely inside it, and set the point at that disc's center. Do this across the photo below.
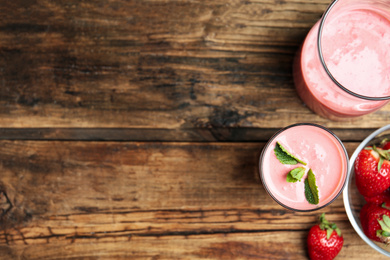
(184, 134)
(155, 64)
(132, 129)
(105, 200)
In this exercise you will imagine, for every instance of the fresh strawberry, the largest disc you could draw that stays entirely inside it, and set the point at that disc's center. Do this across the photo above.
(372, 171)
(384, 197)
(324, 240)
(385, 144)
(375, 220)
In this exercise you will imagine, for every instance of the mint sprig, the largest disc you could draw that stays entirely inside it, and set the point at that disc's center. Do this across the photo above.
(285, 156)
(296, 174)
(311, 189)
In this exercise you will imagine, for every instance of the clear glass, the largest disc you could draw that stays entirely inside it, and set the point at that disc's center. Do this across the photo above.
(323, 152)
(342, 69)
(353, 200)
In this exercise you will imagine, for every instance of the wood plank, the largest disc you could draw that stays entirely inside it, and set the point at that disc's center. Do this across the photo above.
(264, 245)
(99, 200)
(161, 64)
(241, 134)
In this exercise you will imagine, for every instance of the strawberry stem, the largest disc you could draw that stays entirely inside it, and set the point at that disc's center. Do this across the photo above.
(383, 155)
(329, 227)
(385, 140)
(384, 233)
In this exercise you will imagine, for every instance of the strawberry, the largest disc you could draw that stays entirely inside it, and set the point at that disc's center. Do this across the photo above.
(384, 197)
(375, 220)
(324, 240)
(385, 144)
(372, 171)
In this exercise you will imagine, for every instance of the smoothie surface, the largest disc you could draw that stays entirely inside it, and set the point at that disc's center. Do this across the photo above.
(323, 154)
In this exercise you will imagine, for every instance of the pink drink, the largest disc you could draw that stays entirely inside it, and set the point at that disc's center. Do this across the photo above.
(356, 49)
(321, 150)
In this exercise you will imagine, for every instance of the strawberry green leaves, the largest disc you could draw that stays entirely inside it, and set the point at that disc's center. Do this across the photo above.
(383, 155)
(296, 174)
(285, 157)
(328, 226)
(311, 189)
(385, 225)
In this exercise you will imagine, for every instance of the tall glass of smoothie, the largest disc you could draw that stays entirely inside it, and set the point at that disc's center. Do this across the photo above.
(342, 69)
(318, 175)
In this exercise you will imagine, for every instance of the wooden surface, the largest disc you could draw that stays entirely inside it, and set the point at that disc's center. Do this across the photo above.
(132, 129)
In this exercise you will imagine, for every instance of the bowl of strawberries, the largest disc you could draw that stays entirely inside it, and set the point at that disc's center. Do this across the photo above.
(367, 191)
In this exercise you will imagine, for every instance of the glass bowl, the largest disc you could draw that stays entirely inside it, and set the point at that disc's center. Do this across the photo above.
(353, 200)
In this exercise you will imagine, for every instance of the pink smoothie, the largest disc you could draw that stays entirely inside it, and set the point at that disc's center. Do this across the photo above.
(322, 153)
(356, 49)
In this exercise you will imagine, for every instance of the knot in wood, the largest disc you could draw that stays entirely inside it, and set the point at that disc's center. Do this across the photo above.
(5, 204)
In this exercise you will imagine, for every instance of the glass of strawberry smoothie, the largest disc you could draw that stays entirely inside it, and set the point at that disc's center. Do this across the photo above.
(342, 69)
(319, 151)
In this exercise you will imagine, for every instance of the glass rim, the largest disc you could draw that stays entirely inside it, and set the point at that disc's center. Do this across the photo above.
(321, 56)
(269, 143)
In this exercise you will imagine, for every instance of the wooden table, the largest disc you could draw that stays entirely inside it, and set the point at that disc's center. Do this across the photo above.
(132, 129)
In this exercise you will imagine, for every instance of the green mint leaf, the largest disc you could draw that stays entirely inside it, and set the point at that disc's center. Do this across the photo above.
(298, 173)
(284, 156)
(308, 194)
(311, 189)
(295, 174)
(290, 178)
